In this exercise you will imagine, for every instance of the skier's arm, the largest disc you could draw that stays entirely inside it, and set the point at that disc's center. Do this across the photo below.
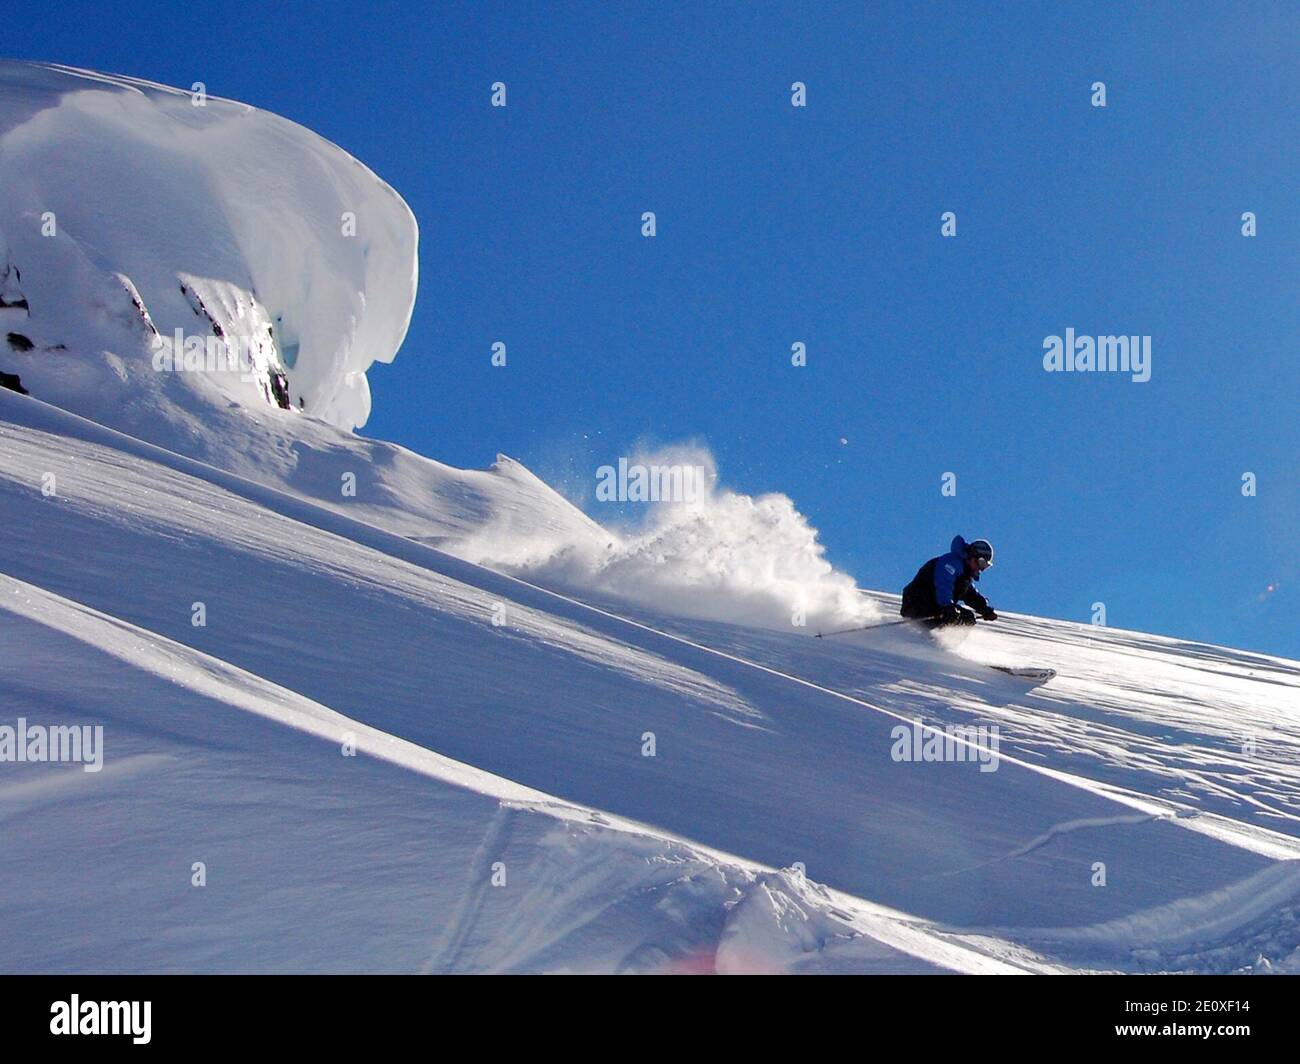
(945, 577)
(979, 604)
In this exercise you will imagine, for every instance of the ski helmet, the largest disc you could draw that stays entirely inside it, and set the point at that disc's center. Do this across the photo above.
(980, 548)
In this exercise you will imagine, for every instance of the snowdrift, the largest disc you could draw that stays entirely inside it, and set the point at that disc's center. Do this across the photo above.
(132, 212)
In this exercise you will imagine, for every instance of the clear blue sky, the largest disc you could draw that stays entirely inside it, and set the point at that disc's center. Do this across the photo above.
(822, 225)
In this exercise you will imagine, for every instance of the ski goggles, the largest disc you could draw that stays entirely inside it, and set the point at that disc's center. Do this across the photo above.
(983, 563)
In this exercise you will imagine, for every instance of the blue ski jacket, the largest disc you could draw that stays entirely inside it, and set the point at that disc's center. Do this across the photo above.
(941, 582)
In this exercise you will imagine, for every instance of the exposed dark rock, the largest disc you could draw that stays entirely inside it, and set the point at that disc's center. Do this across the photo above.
(19, 342)
(11, 381)
(280, 390)
(200, 308)
(141, 311)
(11, 297)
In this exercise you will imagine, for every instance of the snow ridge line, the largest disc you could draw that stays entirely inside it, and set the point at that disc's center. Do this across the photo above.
(60, 422)
(1047, 836)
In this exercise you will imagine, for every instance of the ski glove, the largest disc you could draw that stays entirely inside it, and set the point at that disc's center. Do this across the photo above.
(954, 614)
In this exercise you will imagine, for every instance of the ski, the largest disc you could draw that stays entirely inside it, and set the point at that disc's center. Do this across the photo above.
(1042, 675)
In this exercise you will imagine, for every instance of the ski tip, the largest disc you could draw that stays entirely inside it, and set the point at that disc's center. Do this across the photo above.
(1040, 675)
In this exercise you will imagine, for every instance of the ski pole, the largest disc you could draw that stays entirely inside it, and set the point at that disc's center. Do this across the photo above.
(862, 628)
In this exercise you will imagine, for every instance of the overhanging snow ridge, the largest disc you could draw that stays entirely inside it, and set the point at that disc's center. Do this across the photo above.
(111, 187)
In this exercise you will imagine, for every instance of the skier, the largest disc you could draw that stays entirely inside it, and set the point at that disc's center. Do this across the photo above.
(943, 582)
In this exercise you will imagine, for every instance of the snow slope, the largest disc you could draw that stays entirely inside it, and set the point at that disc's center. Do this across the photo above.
(224, 223)
(192, 219)
(521, 743)
(364, 711)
